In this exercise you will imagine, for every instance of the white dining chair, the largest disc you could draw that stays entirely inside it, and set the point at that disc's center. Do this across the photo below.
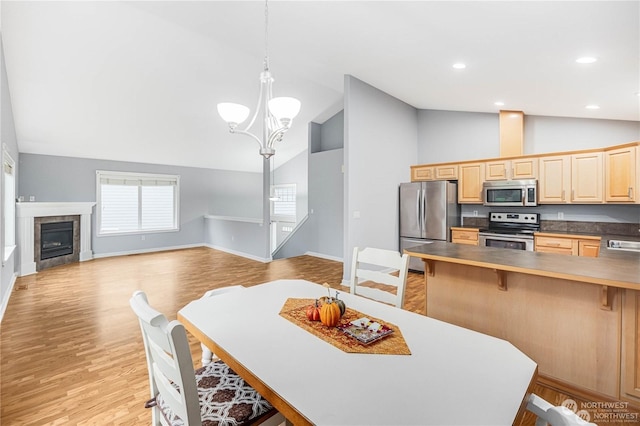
(182, 397)
(207, 354)
(551, 415)
(382, 266)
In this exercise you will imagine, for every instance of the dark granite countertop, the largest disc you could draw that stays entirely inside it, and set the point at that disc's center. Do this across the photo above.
(616, 268)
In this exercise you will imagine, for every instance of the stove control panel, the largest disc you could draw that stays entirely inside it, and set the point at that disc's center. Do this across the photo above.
(523, 218)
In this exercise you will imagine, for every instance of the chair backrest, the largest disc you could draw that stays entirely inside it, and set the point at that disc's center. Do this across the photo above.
(169, 362)
(387, 263)
(549, 414)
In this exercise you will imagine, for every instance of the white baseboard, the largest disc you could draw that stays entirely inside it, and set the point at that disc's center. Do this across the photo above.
(239, 253)
(150, 250)
(323, 256)
(5, 301)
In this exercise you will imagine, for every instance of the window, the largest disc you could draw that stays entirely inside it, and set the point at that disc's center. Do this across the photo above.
(283, 207)
(137, 202)
(8, 168)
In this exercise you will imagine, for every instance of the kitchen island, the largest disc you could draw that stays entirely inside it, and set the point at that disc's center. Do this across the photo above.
(577, 317)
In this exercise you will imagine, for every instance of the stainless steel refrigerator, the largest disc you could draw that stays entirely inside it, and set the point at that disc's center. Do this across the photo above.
(428, 210)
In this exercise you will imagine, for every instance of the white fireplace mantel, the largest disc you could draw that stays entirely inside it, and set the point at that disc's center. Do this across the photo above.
(26, 212)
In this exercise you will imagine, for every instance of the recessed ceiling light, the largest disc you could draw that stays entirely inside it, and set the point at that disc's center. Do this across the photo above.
(498, 103)
(586, 60)
(592, 106)
(459, 66)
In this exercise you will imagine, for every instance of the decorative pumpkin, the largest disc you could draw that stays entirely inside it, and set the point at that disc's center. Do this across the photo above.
(330, 314)
(313, 312)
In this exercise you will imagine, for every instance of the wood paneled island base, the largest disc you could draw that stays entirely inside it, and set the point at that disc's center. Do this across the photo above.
(581, 346)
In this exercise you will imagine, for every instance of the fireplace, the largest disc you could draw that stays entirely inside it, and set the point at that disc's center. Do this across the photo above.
(30, 217)
(57, 240)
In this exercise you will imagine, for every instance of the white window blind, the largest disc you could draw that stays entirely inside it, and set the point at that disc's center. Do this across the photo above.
(8, 168)
(284, 205)
(137, 202)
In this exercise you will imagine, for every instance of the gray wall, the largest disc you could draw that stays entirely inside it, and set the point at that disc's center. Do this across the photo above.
(332, 133)
(445, 136)
(381, 142)
(202, 191)
(9, 140)
(460, 136)
(326, 203)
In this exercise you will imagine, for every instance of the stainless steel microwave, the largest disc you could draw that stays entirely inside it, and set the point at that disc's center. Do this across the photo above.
(510, 193)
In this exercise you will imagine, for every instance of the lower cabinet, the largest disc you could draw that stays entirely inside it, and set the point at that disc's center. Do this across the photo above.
(567, 244)
(467, 236)
(630, 383)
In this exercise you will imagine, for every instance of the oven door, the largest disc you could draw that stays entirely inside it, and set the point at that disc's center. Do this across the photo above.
(514, 242)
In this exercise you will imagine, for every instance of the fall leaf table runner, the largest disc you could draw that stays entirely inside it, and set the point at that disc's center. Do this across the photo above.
(294, 310)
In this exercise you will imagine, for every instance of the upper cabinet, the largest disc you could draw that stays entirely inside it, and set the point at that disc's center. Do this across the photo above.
(621, 171)
(439, 172)
(554, 184)
(592, 176)
(573, 178)
(419, 173)
(521, 168)
(587, 177)
(470, 183)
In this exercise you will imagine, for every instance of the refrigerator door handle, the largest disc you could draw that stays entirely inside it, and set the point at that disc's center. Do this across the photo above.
(423, 212)
(418, 209)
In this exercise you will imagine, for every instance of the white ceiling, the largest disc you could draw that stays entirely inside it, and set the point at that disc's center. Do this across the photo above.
(139, 81)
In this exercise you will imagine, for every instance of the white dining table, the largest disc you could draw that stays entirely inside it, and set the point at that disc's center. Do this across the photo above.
(453, 376)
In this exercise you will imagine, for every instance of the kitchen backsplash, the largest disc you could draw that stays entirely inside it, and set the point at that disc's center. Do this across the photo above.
(569, 226)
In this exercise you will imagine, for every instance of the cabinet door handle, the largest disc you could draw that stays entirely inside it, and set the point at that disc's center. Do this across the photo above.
(563, 195)
(573, 195)
(630, 193)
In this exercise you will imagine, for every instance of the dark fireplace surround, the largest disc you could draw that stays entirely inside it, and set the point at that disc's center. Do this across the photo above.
(61, 240)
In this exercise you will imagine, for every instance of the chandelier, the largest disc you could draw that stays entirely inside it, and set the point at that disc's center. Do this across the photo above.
(278, 113)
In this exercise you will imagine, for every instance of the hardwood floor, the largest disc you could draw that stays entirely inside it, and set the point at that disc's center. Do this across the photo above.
(71, 350)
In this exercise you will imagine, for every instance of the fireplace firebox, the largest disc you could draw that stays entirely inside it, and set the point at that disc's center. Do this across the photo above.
(56, 239)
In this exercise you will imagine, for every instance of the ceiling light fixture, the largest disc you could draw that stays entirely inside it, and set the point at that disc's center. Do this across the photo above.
(459, 66)
(592, 106)
(498, 103)
(586, 60)
(278, 113)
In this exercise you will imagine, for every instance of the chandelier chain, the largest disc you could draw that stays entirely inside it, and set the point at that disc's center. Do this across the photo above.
(266, 35)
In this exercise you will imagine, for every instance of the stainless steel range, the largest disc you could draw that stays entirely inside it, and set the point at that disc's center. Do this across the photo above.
(510, 230)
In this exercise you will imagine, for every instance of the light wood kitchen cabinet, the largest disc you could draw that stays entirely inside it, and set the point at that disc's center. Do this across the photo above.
(555, 244)
(621, 175)
(554, 184)
(589, 248)
(567, 244)
(471, 177)
(630, 386)
(419, 173)
(587, 178)
(439, 172)
(522, 168)
(467, 236)
(446, 172)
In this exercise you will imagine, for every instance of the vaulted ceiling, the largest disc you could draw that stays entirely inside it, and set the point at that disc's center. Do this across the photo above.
(139, 81)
